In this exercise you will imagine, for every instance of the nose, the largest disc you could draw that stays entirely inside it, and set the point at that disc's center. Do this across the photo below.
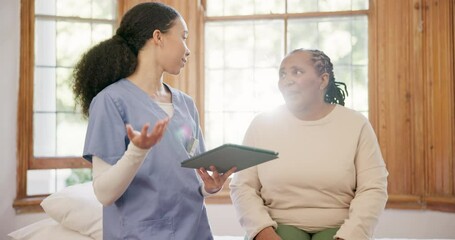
(287, 81)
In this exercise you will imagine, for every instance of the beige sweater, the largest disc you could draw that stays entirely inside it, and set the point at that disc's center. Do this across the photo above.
(330, 173)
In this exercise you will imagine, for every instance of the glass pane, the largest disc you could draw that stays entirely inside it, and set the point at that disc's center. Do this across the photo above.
(51, 180)
(360, 88)
(266, 94)
(214, 129)
(302, 34)
(215, 7)
(68, 8)
(360, 4)
(334, 5)
(44, 134)
(301, 6)
(236, 7)
(237, 90)
(65, 97)
(44, 89)
(73, 39)
(236, 124)
(71, 129)
(269, 6)
(336, 30)
(359, 33)
(239, 46)
(214, 90)
(268, 43)
(45, 7)
(45, 43)
(77, 176)
(101, 32)
(40, 182)
(105, 9)
(214, 45)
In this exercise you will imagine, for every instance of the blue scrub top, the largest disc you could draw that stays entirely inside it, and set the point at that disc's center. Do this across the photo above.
(164, 200)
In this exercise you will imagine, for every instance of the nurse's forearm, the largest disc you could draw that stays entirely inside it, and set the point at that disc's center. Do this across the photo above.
(111, 181)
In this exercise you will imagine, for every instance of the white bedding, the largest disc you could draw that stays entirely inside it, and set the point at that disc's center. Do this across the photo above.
(75, 214)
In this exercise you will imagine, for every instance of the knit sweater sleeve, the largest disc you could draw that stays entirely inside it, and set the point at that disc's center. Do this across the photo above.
(371, 189)
(246, 195)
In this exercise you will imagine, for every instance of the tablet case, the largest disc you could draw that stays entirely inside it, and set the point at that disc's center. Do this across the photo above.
(227, 156)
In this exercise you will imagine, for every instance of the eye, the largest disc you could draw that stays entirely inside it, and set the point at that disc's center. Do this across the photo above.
(298, 72)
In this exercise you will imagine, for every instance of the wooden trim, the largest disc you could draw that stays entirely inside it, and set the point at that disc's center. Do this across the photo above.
(25, 99)
(29, 204)
(59, 163)
(373, 107)
(285, 15)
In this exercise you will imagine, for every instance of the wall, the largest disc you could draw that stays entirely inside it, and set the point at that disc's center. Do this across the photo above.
(9, 68)
(394, 223)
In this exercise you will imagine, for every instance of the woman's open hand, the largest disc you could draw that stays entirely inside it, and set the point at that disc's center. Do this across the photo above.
(213, 183)
(146, 140)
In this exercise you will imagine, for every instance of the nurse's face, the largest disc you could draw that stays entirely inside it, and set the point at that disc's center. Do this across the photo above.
(299, 82)
(175, 52)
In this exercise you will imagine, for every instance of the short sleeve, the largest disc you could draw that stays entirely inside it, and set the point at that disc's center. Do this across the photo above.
(106, 135)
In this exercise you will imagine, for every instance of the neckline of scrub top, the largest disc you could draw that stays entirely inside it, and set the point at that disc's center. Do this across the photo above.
(144, 95)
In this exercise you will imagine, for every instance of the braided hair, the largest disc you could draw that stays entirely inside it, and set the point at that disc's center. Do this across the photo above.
(334, 93)
(116, 58)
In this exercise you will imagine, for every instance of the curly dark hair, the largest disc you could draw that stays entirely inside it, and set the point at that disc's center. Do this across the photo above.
(116, 58)
(334, 94)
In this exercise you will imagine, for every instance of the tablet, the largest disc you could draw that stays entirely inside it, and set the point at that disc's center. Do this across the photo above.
(227, 156)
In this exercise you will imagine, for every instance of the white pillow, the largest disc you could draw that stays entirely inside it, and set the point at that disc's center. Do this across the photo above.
(76, 208)
(46, 229)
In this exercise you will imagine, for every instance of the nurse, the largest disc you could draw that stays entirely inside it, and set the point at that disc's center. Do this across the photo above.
(136, 168)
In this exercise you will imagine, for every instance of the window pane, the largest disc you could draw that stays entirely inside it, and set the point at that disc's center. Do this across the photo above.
(71, 130)
(214, 37)
(45, 7)
(105, 9)
(360, 88)
(334, 30)
(235, 7)
(101, 32)
(51, 180)
(44, 134)
(300, 6)
(73, 39)
(244, 7)
(239, 48)
(269, 6)
(45, 43)
(65, 98)
(214, 90)
(268, 43)
(44, 89)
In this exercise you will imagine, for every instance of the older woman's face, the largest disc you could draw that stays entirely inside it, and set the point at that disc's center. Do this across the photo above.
(299, 82)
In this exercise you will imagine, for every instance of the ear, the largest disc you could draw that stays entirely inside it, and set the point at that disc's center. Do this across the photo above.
(157, 37)
(324, 81)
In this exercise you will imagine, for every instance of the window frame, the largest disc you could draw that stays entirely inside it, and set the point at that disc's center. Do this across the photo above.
(25, 152)
(223, 197)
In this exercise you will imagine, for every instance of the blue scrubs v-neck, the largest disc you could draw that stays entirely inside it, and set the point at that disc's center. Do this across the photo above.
(163, 201)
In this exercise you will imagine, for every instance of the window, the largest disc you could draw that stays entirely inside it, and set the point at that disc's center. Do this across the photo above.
(246, 40)
(56, 33)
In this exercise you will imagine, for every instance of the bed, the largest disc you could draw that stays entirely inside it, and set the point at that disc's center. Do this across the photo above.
(74, 214)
